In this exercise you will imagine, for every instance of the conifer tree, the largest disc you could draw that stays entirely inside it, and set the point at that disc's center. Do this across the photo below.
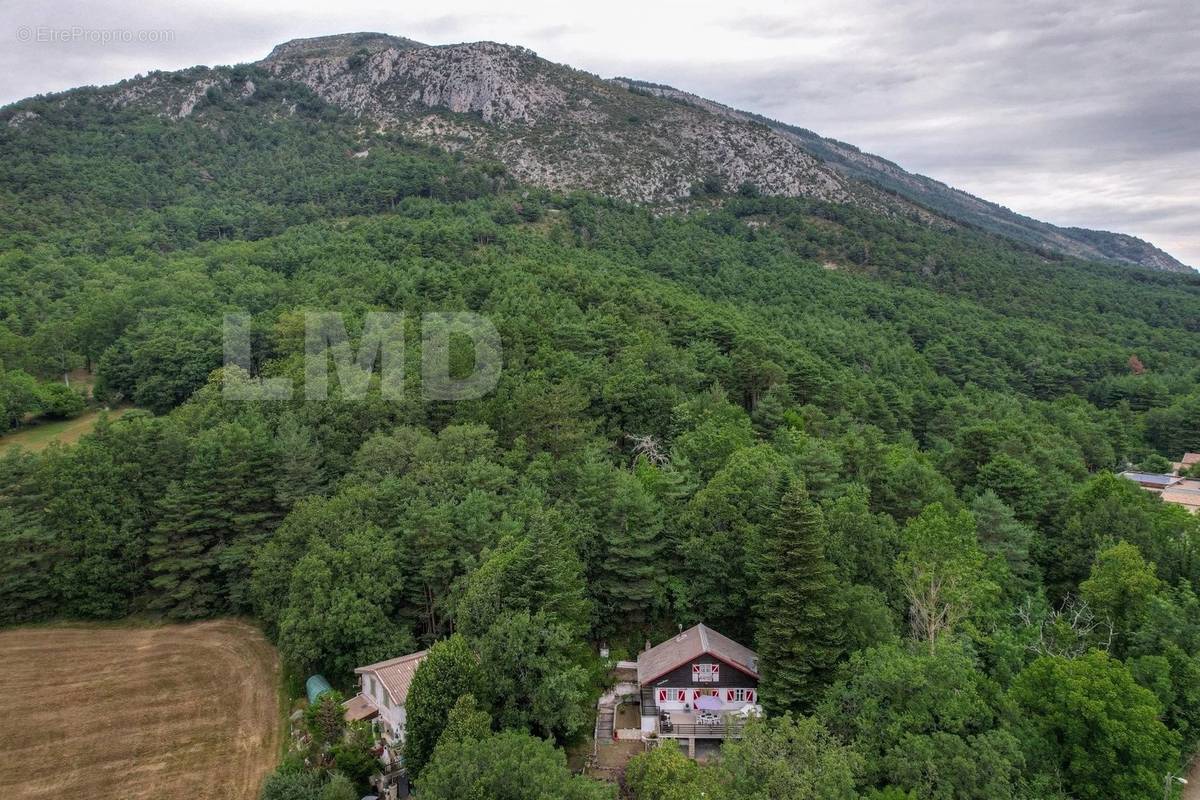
(300, 467)
(629, 572)
(799, 612)
(211, 521)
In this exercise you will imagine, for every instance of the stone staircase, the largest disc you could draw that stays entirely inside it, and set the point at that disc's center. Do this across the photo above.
(604, 725)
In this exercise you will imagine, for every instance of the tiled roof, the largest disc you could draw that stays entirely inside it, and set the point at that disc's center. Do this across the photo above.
(396, 674)
(690, 644)
(1184, 493)
(1189, 459)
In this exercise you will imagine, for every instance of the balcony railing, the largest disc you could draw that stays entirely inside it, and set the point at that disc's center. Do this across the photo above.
(703, 730)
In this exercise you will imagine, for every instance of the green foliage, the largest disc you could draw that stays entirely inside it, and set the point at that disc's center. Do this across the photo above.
(625, 580)
(928, 722)
(537, 572)
(1090, 727)
(325, 719)
(505, 766)
(466, 722)
(792, 757)
(339, 787)
(940, 568)
(801, 612)
(18, 397)
(664, 375)
(336, 617)
(353, 759)
(211, 522)
(529, 676)
(449, 671)
(59, 401)
(292, 786)
(665, 773)
(724, 524)
(1120, 589)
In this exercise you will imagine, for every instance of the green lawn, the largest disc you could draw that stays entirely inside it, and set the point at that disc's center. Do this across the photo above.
(41, 435)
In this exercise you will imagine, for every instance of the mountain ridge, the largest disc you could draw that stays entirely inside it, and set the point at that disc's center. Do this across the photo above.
(940, 196)
(561, 128)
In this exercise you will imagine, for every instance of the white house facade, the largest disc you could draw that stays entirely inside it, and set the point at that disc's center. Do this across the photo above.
(383, 694)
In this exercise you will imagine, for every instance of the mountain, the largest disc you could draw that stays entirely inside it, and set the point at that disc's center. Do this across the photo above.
(934, 389)
(937, 196)
(565, 129)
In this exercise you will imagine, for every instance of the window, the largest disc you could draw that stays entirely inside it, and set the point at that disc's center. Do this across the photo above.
(739, 695)
(704, 673)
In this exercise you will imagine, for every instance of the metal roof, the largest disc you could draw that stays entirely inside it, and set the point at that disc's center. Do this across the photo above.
(689, 645)
(1152, 478)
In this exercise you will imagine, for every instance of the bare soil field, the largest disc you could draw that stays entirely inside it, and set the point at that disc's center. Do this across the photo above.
(177, 712)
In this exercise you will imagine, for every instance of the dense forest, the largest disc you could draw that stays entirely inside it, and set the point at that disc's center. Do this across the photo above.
(895, 443)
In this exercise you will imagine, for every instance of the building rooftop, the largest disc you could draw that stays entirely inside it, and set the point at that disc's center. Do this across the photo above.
(396, 674)
(1151, 478)
(689, 645)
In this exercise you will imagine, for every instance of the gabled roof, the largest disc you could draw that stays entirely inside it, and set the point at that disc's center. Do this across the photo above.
(396, 674)
(690, 645)
(1190, 459)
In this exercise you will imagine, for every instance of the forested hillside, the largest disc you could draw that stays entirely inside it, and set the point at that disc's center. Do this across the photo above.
(701, 416)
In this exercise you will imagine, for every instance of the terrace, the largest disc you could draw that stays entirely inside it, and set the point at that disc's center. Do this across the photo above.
(700, 724)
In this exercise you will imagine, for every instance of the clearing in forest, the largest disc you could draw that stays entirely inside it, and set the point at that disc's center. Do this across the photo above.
(172, 712)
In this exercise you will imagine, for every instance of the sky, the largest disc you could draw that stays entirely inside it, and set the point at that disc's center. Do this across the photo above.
(1086, 115)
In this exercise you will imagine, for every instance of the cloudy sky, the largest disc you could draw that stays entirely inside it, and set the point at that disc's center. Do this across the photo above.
(1086, 115)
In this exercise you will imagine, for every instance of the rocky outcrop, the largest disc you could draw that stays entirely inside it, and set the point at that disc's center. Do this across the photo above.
(557, 127)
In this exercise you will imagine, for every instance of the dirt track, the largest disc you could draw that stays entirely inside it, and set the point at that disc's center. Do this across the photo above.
(177, 712)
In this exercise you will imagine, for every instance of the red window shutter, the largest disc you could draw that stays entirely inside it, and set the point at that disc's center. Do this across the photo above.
(681, 695)
(716, 671)
(662, 695)
(750, 695)
(729, 695)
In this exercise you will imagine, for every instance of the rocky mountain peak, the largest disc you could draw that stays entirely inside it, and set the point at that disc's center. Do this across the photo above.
(341, 45)
(565, 129)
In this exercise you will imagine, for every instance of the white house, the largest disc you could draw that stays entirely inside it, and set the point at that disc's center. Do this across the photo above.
(383, 692)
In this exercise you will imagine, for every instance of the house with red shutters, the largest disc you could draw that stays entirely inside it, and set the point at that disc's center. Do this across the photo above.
(698, 685)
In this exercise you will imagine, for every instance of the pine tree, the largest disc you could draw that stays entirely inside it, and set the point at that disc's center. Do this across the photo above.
(211, 521)
(628, 579)
(536, 571)
(799, 612)
(300, 467)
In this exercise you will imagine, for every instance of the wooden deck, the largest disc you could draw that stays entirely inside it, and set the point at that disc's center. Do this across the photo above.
(692, 725)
